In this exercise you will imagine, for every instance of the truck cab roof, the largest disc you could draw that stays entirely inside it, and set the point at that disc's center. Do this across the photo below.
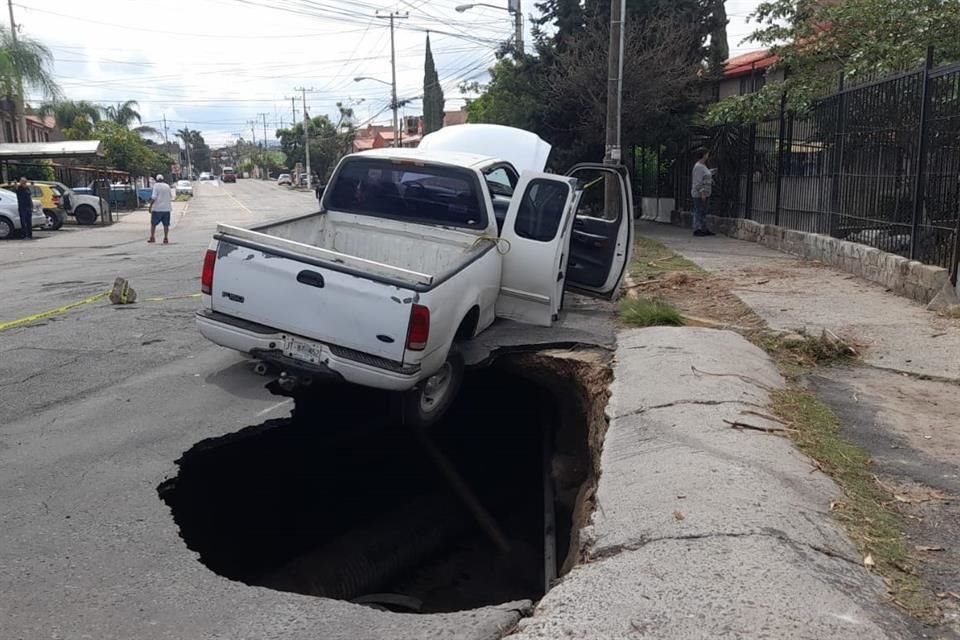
(452, 158)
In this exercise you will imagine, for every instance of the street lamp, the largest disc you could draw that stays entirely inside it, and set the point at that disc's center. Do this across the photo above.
(513, 6)
(393, 104)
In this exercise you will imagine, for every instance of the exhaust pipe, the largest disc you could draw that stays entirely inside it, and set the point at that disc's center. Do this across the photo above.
(261, 368)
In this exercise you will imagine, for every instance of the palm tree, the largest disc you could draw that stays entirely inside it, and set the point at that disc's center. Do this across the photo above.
(24, 63)
(188, 136)
(75, 118)
(126, 113)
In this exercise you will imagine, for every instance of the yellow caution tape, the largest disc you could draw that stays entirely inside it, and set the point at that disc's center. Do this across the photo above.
(79, 303)
(52, 312)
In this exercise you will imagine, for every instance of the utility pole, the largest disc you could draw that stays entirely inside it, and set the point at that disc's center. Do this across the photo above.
(165, 139)
(613, 154)
(394, 15)
(293, 110)
(264, 156)
(514, 7)
(306, 132)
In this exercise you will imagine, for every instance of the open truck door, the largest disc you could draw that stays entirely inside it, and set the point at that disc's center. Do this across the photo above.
(534, 239)
(601, 241)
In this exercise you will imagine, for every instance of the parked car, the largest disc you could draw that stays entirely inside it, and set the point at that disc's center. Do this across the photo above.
(10, 215)
(412, 252)
(184, 188)
(206, 176)
(85, 207)
(50, 201)
(284, 179)
(227, 175)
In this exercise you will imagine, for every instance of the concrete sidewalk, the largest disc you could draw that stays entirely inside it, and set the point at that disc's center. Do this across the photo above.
(791, 293)
(705, 531)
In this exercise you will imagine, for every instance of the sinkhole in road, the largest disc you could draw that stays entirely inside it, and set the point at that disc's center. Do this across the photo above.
(340, 501)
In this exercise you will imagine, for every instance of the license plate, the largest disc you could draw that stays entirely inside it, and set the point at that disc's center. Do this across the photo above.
(301, 350)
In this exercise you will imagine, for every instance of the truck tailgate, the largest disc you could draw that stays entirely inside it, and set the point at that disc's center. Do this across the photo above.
(312, 301)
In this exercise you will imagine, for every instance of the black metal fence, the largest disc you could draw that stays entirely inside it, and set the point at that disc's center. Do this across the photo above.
(877, 164)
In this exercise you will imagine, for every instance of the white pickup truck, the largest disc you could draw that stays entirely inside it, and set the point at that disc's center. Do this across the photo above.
(412, 251)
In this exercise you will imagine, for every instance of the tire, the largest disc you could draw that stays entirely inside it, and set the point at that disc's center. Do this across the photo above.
(85, 215)
(6, 229)
(429, 401)
(54, 219)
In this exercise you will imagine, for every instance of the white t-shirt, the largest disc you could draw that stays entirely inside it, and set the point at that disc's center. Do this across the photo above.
(161, 197)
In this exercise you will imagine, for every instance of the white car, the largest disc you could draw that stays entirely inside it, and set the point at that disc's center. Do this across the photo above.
(413, 251)
(284, 178)
(10, 215)
(206, 176)
(184, 187)
(85, 207)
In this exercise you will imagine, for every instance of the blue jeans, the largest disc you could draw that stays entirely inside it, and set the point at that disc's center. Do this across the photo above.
(699, 214)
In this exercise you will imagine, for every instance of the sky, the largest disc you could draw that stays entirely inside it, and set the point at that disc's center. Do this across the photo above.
(224, 66)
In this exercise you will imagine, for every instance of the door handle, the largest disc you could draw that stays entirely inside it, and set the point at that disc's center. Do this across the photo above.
(311, 278)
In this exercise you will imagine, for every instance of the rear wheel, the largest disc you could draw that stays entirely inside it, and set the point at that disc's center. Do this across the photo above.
(54, 219)
(85, 215)
(6, 229)
(429, 401)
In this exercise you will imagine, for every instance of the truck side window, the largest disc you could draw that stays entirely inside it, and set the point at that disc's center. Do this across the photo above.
(540, 211)
(500, 182)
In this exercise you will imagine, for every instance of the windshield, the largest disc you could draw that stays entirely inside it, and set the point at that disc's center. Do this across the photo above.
(407, 190)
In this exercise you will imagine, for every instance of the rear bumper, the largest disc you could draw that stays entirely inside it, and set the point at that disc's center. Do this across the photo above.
(265, 343)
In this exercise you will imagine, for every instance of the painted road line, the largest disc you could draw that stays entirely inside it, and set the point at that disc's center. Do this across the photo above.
(52, 312)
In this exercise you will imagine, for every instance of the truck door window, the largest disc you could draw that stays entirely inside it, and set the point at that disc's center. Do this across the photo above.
(601, 197)
(541, 210)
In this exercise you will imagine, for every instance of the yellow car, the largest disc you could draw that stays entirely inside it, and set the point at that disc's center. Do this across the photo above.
(50, 200)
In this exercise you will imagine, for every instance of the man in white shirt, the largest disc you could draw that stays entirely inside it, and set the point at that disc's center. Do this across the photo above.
(160, 204)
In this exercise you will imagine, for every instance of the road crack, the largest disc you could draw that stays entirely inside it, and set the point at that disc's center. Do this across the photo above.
(634, 545)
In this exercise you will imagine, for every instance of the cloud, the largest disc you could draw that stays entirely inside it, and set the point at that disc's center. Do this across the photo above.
(220, 64)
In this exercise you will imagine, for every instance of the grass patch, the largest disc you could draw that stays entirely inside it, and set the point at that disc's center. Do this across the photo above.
(180, 197)
(652, 259)
(642, 312)
(799, 353)
(866, 509)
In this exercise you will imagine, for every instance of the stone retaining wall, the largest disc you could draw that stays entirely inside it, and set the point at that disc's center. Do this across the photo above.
(909, 278)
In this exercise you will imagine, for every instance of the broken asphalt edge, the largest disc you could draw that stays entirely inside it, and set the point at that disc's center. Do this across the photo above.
(702, 530)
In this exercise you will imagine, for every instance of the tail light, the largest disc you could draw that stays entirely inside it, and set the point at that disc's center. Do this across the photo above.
(419, 330)
(206, 276)
(56, 200)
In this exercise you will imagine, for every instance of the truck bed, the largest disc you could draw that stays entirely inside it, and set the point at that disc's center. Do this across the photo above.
(377, 246)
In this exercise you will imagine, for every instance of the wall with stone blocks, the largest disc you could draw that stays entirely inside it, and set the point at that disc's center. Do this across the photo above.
(909, 278)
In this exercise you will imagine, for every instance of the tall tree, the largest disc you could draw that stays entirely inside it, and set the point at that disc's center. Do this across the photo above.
(24, 64)
(820, 42)
(719, 50)
(327, 144)
(126, 113)
(75, 118)
(432, 94)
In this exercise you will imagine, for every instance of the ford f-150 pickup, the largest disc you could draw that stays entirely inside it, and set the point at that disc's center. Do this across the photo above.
(413, 251)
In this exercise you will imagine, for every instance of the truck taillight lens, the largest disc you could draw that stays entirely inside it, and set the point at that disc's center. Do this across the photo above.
(419, 331)
(206, 276)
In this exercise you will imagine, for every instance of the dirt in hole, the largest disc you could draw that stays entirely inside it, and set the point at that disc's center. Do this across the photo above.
(343, 502)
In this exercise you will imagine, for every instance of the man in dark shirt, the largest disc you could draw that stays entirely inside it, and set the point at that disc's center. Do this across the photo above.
(25, 208)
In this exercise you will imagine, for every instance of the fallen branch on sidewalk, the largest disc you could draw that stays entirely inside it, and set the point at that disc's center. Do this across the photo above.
(736, 424)
(746, 379)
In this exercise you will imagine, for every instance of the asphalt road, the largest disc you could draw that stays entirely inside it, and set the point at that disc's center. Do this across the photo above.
(97, 403)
